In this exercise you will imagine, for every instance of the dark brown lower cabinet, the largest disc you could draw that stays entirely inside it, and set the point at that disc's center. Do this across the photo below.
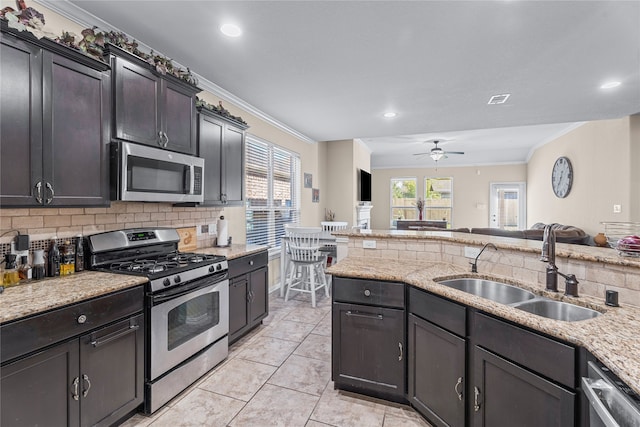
(95, 379)
(368, 347)
(505, 394)
(436, 372)
(248, 293)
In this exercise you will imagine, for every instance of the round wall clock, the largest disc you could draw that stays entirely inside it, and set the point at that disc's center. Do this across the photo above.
(562, 177)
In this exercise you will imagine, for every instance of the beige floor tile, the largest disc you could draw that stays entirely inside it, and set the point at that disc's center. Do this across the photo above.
(312, 423)
(140, 420)
(268, 350)
(303, 374)
(304, 300)
(315, 347)
(347, 410)
(276, 406)
(324, 327)
(200, 408)
(288, 330)
(239, 379)
(391, 421)
(306, 315)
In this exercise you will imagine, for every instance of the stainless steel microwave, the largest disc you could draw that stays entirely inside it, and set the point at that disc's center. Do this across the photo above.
(148, 174)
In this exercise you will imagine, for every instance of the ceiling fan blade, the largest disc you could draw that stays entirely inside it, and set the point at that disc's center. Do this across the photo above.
(454, 152)
(420, 154)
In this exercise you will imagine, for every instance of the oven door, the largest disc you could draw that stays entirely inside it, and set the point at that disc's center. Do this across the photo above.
(608, 406)
(187, 319)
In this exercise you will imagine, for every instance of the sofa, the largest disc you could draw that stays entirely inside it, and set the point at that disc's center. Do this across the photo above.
(564, 233)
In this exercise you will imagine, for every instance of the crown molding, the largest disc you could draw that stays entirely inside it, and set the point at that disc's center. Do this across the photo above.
(563, 132)
(87, 20)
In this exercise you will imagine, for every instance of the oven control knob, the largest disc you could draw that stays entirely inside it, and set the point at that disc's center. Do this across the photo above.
(212, 269)
(219, 267)
(177, 279)
(166, 282)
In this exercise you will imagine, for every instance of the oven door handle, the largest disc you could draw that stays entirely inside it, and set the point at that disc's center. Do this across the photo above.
(184, 290)
(589, 387)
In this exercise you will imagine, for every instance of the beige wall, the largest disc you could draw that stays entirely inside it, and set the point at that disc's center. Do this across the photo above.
(470, 191)
(601, 156)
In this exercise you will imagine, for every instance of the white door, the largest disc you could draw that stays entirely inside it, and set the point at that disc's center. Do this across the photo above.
(508, 206)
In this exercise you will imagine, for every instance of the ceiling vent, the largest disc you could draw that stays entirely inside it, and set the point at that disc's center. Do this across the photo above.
(499, 99)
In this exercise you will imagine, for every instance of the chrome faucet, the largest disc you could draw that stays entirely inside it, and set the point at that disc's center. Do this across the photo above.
(549, 256)
(474, 264)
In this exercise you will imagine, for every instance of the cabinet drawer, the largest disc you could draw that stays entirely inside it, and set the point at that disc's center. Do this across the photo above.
(245, 264)
(446, 314)
(371, 292)
(548, 357)
(30, 334)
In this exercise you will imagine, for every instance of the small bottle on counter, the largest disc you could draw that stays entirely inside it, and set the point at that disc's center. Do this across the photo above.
(39, 271)
(53, 259)
(25, 271)
(10, 276)
(67, 259)
(79, 253)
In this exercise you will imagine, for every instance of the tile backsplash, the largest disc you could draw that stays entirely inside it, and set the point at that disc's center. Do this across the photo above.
(43, 223)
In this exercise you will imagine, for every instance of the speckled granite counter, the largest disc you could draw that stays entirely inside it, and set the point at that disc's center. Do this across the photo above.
(42, 295)
(233, 251)
(613, 337)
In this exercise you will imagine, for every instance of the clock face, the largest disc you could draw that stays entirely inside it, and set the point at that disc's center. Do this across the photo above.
(562, 177)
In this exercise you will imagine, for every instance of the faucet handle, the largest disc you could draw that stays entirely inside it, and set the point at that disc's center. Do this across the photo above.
(571, 285)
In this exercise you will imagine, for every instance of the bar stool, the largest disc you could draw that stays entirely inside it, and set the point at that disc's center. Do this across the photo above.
(331, 248)
(307, 274)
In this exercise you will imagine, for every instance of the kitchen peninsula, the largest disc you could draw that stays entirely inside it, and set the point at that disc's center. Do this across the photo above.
(420, 260)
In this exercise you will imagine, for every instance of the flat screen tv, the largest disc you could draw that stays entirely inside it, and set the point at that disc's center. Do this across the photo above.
(365, 186)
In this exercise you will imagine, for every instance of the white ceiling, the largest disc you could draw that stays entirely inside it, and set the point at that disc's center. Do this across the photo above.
(330, 69)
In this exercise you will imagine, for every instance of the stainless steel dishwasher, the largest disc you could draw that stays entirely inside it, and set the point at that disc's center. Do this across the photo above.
(611, 402)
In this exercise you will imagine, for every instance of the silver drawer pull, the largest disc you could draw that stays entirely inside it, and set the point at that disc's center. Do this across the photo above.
(115, 335)
(458, 392)
(85, 378)
(82, 319)
(367, 293)
(400, 355)
(76, 383)
(476, 399)
(366, 316)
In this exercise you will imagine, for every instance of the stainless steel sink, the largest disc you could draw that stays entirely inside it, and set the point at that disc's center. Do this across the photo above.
(557, 310)
(495, 291)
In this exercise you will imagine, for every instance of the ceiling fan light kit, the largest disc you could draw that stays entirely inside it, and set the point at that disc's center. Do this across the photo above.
(437, 153)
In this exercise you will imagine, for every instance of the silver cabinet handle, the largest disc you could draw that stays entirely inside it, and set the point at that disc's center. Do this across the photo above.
(251, 262)
(76, 383)
(476, 399)
(115, 335)
(223, 198)
(366, 316)
(367, 293)
(400, 355)
(82, 319)
(50, 188)
(38, 194)
(166, 139)
(85, 378)
(163, 139)
(458, 392)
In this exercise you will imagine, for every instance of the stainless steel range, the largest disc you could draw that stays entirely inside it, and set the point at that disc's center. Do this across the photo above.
(186, 307)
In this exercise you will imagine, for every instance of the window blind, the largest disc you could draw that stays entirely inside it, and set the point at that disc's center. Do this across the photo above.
(273, 191)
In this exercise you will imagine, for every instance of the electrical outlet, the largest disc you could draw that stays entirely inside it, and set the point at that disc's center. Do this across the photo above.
(213, 230)
(471, 252)
(203, 229)
(617, 208)
(369, 244)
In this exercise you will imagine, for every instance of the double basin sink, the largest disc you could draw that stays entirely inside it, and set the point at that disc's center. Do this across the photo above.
(521, 299)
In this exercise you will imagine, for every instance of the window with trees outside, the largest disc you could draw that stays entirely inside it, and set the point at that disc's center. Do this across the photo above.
(272, 176)
(403, 199)
(438, 199)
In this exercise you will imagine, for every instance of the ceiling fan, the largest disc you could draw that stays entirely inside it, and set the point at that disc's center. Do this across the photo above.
(436, 152)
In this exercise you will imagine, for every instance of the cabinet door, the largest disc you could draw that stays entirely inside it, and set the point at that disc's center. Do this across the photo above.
(210, 133)
(436, 372)
(259, 298)
(368, 348)
(178, 117)
(76, 133)
(39, 390)
(508, 395)
(136, 103)
(233, 155)
(21, 118)
(112, 371)
(238, 315)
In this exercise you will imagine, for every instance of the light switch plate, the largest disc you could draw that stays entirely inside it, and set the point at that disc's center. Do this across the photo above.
(369, 244)
(471, 252)
(617, 208)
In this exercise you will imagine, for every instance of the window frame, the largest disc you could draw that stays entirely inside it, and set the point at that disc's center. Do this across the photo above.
(392, 221)
(450, 208)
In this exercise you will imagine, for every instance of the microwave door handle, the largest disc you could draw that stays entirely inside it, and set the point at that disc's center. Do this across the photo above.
(188, 171)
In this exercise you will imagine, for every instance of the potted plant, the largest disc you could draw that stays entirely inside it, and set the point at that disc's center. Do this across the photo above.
(420, 206)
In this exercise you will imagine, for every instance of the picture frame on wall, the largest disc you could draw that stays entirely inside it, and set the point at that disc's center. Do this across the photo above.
(308, 180)
(315, 195)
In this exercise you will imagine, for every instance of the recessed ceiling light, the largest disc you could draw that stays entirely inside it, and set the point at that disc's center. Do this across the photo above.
(231, 30)
(390, 114)
(499, 99)
(610, 85)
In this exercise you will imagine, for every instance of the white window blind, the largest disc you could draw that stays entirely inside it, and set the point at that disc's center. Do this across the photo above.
(273, 191)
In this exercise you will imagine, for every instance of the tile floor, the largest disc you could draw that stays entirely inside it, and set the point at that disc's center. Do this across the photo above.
(279, 375)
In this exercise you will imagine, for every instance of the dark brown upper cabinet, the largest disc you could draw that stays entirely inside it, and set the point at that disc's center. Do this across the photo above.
(221, 143)
(55, 117)
(150, 108)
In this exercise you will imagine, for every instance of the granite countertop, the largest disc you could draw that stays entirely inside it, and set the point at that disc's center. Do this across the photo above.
(46, 294)
(38, 296)
(612, 337)
(580, 252)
